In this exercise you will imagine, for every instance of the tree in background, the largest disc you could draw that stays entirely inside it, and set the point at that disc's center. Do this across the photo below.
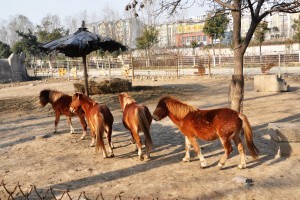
(260, 34)
(258, 10)
(28, 44)
(18, 23)
(4, 50)
(44, 36)
(147, 40)
(194, 44)
(50, 29)
(275, 32)
(296, 28)
(215, 27)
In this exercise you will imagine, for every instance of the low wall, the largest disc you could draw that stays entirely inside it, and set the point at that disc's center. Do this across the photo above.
(285, 138)
(13, 69)
(269, 83)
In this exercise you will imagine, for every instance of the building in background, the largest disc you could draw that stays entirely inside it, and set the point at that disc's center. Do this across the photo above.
(182, 33)
(166, 34)
(279, 24)
(125, 31)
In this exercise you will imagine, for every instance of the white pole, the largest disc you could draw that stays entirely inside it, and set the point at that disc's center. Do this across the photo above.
(279, 67)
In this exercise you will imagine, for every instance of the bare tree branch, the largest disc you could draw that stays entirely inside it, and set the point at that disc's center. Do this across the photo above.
(251, 8)
(224, 4)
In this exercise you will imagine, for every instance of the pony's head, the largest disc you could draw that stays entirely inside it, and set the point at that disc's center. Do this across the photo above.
(44, 97)
(125, 99)
(170, 105)
(76, 103)
(161, 110)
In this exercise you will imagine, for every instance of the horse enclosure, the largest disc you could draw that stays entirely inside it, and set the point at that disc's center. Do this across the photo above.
(32, 156)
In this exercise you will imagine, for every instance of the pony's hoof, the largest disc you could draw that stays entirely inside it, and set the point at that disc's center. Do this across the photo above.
(242, 166)
(148, 157)
(112, 155)
(141, 158)
(203, 164)
(54, 131)
(91, 145)
(185, 159)
(220, 165)
(82, 138)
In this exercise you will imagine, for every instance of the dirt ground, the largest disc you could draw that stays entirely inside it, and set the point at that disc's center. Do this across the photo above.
(62, 162)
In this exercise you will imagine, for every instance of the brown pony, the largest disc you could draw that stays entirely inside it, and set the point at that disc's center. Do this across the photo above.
(99, 118)
(137, 118)
(61, 105)
(223, 123)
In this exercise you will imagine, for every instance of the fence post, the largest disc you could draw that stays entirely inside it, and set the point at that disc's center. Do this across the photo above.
(109, 70)
(279, 67)
(68, 67)
(178, 67)
(209, 69)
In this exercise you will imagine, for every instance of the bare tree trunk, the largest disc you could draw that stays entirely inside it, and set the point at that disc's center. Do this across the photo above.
(209, 68)
(237, 82)
(260, 56)
(214, 53)
(220, 51)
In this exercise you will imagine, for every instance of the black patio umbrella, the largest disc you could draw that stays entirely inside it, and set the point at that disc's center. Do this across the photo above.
(80, 44)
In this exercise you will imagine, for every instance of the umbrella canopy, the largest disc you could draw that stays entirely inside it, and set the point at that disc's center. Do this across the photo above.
(81, 43)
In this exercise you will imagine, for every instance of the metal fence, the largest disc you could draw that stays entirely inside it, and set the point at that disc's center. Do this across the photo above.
(160, 66)
(33, 192)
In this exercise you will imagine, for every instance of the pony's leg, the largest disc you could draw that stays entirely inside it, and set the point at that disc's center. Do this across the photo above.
(132, 141)
(228, 149)
(138, 144)
(103, 148)
(238, 143)
(84, 126)
(110, 145)
(92, 144)
(197, 149)
(57, 117)
(187, 150)
(70, 124)
(147, 150)
(83, 135)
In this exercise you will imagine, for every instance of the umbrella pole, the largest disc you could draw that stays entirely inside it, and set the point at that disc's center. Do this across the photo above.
(85, 75)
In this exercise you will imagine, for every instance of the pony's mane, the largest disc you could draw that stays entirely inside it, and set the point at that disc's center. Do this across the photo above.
(177, 107)
(127, 99)
(55, 95)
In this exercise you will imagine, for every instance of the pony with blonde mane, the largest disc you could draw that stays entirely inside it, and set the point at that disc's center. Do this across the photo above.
(223, 123)
(99, 118)
(60, 103)
(137, 118)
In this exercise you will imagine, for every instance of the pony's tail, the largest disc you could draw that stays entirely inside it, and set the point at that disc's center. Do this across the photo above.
(144, 125)
(248, 136)
(99, 130)
(44, 97)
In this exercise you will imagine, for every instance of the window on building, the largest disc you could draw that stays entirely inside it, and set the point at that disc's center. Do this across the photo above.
(198, 38)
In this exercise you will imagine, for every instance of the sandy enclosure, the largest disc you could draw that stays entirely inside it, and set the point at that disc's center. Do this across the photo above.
(62, 162)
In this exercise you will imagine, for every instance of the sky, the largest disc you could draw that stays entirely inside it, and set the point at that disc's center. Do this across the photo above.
(36, 10)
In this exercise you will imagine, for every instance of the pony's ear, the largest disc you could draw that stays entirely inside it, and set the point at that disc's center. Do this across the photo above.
(76, 95)
(79, 95)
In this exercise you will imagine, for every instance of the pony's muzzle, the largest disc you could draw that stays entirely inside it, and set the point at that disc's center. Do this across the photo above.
(155, 118)
(72, 109)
